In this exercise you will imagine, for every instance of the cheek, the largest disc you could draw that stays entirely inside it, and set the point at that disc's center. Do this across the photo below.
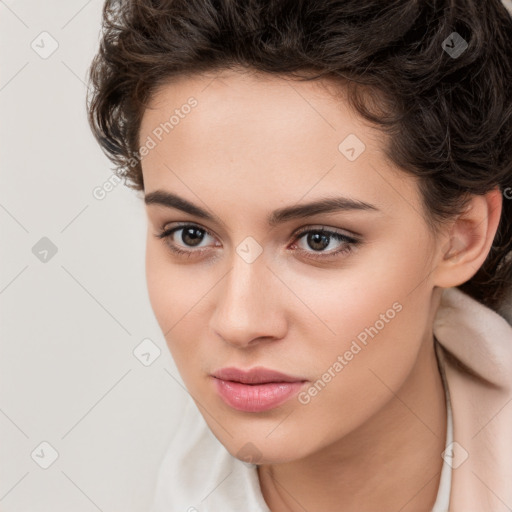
(177, 299)
(159, 284)
(371, 326)
(355, 372)
(379, 312)
(170, 292)
(375, 282)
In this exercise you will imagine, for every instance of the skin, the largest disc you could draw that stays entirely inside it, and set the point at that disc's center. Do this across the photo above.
(254, 144)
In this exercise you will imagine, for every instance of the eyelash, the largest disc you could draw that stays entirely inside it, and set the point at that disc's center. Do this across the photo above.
(349, 241)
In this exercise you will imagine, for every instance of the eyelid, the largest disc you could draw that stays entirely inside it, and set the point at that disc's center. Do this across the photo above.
(320, 227)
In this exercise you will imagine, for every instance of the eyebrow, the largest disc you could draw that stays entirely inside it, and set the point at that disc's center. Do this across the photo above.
(279, 216)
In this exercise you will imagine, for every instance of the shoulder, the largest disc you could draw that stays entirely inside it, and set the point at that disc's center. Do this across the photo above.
(475, 338)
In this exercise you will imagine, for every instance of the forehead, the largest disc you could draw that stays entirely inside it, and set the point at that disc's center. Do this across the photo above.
(256, 105)
(264, 134)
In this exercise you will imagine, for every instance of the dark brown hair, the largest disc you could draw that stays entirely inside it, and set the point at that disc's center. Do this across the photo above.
(448, 116)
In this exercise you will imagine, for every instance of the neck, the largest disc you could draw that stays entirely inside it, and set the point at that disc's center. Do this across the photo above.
(392, 462)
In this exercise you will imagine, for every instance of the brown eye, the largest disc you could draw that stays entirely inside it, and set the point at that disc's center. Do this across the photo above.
(316, 241)
(190, 236)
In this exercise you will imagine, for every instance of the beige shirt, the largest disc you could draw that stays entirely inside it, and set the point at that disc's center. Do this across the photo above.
(479, 377)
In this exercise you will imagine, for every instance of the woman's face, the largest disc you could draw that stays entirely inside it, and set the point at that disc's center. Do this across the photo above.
(347, 314)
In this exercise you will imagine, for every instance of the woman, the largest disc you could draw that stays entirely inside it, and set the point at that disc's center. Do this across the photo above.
(328, 187)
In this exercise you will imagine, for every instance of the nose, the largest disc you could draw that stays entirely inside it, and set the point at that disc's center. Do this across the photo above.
(248, 308)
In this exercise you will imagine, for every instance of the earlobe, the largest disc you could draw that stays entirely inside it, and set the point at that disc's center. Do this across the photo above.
(469, 240)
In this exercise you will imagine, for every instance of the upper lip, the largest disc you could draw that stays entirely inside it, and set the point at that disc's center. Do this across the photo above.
(258, 375)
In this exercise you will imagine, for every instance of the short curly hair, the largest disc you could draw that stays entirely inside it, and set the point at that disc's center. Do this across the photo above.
(446, 107)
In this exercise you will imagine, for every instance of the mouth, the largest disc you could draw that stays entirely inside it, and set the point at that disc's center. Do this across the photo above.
(257, 390)
(256, 375)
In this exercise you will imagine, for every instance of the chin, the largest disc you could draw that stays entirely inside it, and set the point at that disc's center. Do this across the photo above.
(258, 452)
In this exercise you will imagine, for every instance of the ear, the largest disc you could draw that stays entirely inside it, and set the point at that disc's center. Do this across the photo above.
(468, 240)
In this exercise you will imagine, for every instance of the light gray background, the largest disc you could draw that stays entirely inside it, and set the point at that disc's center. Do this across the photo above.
(68, 375)
(69, 325)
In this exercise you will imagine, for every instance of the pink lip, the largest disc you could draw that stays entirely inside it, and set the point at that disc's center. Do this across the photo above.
(257, 375)
(256, 390)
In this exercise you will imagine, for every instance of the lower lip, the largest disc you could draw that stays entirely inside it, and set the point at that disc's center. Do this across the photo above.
(256, 397)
